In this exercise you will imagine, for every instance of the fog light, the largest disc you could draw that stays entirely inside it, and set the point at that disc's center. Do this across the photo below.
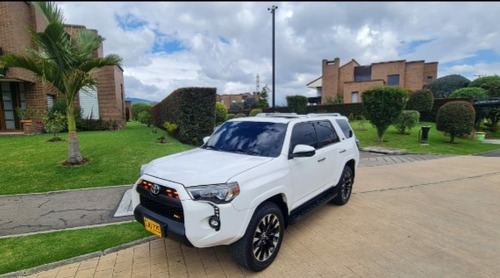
(214, 222)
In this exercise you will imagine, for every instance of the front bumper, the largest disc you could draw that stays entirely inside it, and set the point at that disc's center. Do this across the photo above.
(186, 220)
(170, 228)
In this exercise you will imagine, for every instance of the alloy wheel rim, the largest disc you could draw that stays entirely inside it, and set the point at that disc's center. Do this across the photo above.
(266, 237)
(347, 185)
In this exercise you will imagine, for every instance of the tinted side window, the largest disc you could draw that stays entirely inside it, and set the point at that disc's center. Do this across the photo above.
(345, 127)
(326, 133)
(304, 134)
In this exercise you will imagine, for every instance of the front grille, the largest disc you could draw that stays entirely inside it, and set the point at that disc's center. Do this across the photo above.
(169, 211)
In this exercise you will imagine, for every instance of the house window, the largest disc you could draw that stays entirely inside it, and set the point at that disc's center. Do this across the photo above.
(393, 80)
(355, 97)
(363, 73)
(50, 101)
(429, 78)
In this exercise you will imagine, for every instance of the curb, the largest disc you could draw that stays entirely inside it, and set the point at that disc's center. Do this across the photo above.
(53, 265)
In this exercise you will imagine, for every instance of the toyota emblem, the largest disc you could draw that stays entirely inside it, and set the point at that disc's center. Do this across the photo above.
(155, 189)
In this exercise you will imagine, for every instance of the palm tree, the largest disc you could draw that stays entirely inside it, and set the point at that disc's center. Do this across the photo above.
(67, 61)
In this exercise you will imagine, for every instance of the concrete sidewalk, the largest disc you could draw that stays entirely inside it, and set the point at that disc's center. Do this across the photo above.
(429, 218)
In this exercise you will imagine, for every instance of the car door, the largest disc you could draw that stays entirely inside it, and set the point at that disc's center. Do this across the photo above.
(329, 153)
(305, 173)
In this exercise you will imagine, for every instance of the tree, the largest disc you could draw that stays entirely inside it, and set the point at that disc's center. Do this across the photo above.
(249, 103)
(64, 60)
(138, 108)
(456, 118)
(297, 104)
(420, 101)
(444, 86)
(490, 83)
(263, 95)
(236, 106)
(492, 114)
(383, 105)
(473, 92)
(220, 113)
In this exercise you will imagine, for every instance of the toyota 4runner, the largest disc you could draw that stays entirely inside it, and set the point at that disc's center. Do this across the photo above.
(250, 179)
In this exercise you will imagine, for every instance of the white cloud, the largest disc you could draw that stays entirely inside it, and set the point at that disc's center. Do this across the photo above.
(226, 44)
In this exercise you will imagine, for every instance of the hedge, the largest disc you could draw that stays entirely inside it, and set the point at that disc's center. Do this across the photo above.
(191, 109)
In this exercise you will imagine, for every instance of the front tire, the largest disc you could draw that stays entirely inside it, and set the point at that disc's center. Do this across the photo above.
(344, 186)
(258, 248)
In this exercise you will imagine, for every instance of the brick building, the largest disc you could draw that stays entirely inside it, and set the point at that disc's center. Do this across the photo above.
(20, 89)
(239, 98)
(351, 79)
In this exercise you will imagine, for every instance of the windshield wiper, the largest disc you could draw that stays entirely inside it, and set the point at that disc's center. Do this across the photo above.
(242, 151)
(211, 148)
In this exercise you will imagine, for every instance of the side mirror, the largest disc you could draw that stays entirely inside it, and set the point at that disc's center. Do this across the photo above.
(205, 139)
(303, 151)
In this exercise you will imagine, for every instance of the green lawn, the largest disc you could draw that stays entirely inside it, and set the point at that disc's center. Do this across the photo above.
(438, 143)
(31, 164)
(19, 253)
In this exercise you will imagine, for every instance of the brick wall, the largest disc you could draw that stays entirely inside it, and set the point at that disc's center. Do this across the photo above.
(382, 70)
(346, 75)
(340, 81)
(414, 77)
(330, 79)
(111, 93)
(359, 87)
(15, 19)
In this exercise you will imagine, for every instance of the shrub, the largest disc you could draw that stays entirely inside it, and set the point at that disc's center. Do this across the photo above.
(230, 116)
(456, 118)
(297, 104)
(473, 92)
(254, 112)
(335, 100)
(444, 86)
(240, 115)
(138, 108)
(383, 105)
(407, 120)
(171, 128)
(54, 123)
(420, 101)
(144, 117)
(192, 109)
(490, 83)
(220, 113)
(236, 106)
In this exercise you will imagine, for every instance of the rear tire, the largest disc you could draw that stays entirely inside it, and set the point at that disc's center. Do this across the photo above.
(344, 186)
(258, 248)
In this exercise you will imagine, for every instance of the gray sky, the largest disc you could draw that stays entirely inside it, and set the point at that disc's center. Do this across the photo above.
(169, 45)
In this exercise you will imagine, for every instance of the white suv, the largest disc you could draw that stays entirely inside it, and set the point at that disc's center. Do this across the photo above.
(250, 179)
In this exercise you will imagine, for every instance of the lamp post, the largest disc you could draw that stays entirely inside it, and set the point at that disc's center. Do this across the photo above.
(272, 9)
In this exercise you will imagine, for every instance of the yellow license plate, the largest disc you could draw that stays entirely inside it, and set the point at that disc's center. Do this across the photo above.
(152, 226)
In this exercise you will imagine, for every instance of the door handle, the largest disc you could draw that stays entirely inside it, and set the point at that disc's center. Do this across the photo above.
(322, 159)
(342, 151)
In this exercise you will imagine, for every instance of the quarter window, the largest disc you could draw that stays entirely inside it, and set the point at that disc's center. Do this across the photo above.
(346, 129)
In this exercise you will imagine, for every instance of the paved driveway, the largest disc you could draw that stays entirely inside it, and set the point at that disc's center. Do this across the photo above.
(433, 218)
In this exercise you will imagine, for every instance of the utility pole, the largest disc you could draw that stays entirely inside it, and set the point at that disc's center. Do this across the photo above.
(273, 9)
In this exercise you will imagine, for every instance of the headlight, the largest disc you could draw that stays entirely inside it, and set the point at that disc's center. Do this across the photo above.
(216, 193)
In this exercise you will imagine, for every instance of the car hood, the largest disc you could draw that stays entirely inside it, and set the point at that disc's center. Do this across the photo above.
(202, 167)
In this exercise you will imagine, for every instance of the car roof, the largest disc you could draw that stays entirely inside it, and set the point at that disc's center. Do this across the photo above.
(289, 117)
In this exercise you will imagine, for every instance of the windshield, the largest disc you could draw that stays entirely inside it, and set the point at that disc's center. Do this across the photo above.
(252, 138)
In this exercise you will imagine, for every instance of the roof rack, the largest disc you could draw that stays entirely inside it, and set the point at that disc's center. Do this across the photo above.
(310, 115)
(279, 115)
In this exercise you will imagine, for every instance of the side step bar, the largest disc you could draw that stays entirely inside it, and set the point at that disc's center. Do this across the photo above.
(309, 206)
